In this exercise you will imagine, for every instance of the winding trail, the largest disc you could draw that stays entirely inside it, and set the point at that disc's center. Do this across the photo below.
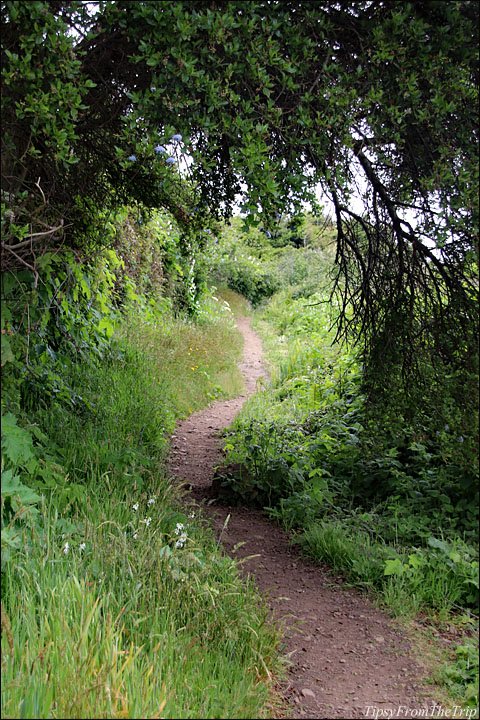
(348, 661)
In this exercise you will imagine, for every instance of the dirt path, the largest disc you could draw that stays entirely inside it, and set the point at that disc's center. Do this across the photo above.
(347, 659)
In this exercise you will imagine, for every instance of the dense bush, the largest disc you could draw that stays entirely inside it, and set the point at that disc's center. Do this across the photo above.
(238, 267)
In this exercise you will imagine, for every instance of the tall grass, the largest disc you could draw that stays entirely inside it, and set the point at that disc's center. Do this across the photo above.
(239, 305)
(132, 626)
(122, 605)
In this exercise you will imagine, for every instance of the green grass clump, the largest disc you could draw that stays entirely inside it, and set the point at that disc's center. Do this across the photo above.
(409, 580)
(129, 615)
(116, 600)
(192, 364)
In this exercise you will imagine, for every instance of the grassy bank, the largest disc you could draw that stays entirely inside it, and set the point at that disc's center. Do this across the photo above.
(115, 602)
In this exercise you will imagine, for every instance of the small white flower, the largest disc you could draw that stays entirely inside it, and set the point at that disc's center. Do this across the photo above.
(147, 521)
(82, 546)
(179, 528)
(460, 439)
(135, 535)
(135, 507)
(192, 515)
(152, 500)
(66, 548)
(181, 541)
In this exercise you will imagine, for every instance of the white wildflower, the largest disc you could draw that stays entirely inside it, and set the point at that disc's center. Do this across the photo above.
(82, 546)
(66, 548)
(147, 521)
(152, 500)
(135, 507)
(135, 535)
(179, 528)
(181, 541)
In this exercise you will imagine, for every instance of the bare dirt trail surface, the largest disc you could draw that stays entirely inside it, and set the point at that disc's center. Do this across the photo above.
(348, 661)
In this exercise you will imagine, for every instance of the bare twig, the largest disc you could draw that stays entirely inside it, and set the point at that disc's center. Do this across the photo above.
(38, 235)
(41, 191)
(459, 607)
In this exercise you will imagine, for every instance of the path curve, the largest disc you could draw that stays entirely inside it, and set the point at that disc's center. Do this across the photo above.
(348, 661)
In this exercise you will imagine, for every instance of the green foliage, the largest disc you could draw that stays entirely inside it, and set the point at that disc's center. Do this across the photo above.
(109, 104)
(245, 277)
(461, 676)
(232, 264)
(95, 546)
(383, 495)
(158, 258)
(136, 606)
(257, 267)
(51, 320)
(421, 466)
(410, 579)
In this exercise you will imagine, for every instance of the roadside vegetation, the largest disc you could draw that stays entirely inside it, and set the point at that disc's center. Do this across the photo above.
(387, 499)
(116, 601)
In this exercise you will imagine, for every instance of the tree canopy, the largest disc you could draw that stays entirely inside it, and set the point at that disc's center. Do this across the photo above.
(269, 100)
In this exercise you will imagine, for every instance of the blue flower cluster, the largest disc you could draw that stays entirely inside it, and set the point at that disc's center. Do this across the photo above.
(160, 150)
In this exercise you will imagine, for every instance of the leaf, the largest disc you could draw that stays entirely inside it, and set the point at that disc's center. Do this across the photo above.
(455, 556)
(16, 442)
(104, 324)
(438, 544)
(10, 538)
(9, 282)
(394, 567)
(415, 561)
(12, 487)
(7, 354)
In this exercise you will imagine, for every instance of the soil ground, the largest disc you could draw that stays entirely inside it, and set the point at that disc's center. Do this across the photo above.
(347, 658)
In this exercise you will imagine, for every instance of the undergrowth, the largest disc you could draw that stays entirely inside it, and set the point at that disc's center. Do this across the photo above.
(116, 600)
(385, 498)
